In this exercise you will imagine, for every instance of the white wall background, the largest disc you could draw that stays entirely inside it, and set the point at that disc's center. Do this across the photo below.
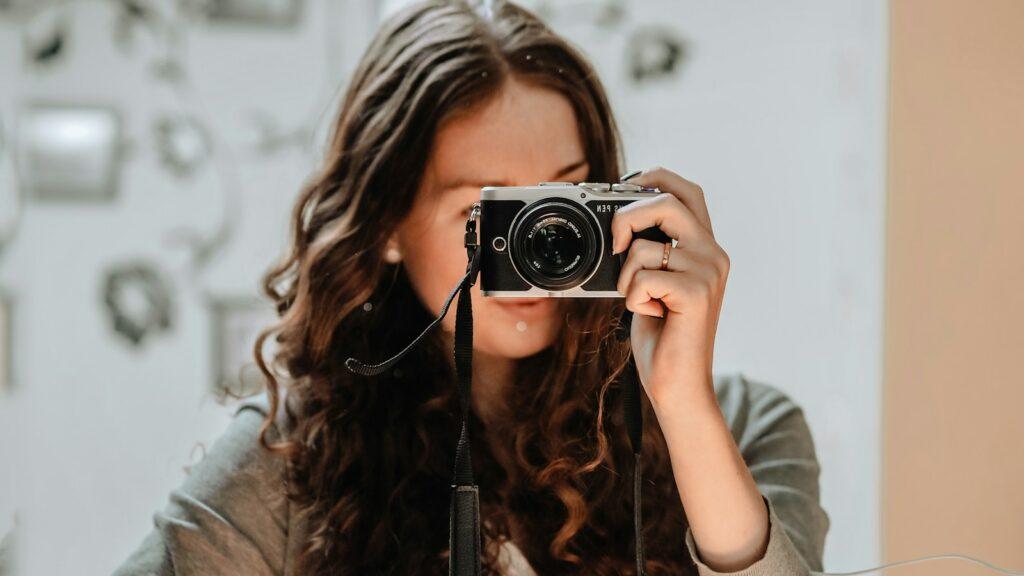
(779, 114)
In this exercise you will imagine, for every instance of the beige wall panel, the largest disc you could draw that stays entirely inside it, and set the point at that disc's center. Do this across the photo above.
(954, 379)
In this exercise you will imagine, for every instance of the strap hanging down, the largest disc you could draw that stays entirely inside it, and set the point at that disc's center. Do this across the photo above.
(464, 517)
(635, 429)
(464, 513)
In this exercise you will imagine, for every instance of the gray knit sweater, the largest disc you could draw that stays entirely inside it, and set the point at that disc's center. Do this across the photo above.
(229, 515)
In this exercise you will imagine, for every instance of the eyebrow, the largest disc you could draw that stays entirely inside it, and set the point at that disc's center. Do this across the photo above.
(464, 182)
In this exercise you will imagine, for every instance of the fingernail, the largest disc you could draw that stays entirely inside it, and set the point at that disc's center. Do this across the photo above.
(632, 174)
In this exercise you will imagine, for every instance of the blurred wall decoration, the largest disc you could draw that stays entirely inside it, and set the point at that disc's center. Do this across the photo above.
(182, 143)
(236, 323)
(655, 52)
(261, 12)
(138, 302)
(44, 39)
(69, 152)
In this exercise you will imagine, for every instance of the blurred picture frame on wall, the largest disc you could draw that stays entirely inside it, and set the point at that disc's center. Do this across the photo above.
(69, 152)
(235, 323)
(6, 343)
(268, 13)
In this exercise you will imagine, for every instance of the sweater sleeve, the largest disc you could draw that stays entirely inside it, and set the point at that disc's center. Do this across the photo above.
(227, 517)
(776, 444)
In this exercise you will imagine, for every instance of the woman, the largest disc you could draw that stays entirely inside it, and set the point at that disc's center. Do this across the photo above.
(330, 472)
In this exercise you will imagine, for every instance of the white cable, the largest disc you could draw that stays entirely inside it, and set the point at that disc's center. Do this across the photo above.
(922, 559)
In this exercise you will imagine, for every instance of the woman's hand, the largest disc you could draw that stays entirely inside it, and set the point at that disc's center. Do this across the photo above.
(675, 310)
(675, 317)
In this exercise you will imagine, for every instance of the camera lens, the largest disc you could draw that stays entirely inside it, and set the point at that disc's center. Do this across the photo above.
(554, 244)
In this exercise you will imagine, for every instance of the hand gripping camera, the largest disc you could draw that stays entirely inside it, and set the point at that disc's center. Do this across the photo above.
(554, 239)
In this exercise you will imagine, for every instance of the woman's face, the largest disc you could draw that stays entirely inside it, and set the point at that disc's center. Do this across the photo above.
(523, 136)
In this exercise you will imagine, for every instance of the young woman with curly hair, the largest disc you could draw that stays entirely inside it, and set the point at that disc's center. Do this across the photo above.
(328, 472)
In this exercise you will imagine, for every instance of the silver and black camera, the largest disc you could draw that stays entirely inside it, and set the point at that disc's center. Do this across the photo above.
(554, 239)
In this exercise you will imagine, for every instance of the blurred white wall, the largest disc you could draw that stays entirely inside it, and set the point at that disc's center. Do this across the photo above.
(778, 112)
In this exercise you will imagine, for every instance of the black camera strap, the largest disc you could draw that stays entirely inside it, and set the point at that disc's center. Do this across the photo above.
(634, 417)
(464, 512)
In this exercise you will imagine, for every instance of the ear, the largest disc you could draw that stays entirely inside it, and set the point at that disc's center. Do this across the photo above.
(392, 252)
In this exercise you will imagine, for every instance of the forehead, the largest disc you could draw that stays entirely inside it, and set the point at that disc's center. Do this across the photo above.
(522, 136)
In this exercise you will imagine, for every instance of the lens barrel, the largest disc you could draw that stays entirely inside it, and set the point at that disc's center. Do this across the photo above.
(554, 244)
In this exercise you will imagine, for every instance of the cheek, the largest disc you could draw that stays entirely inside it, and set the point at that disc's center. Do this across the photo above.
(434, 265)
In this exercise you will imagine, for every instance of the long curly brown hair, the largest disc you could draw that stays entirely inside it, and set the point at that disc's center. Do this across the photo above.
(370, 459)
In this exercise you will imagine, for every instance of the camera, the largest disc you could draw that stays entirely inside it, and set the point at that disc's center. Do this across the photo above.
(554, 239)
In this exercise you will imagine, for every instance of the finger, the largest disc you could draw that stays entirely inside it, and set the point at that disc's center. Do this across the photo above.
(690, 193)
(648, 307)
(675, 290)
(664, 211)
(647, 254)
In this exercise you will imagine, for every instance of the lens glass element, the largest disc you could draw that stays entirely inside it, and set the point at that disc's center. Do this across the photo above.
(556, 245)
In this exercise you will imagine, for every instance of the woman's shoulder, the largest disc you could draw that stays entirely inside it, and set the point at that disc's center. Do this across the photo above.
(753, 408)
(237, 468)
(260, 404)
(775, 441)
(735, 389)
(229, 514)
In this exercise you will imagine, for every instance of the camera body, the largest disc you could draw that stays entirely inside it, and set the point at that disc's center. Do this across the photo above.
(554, 239)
